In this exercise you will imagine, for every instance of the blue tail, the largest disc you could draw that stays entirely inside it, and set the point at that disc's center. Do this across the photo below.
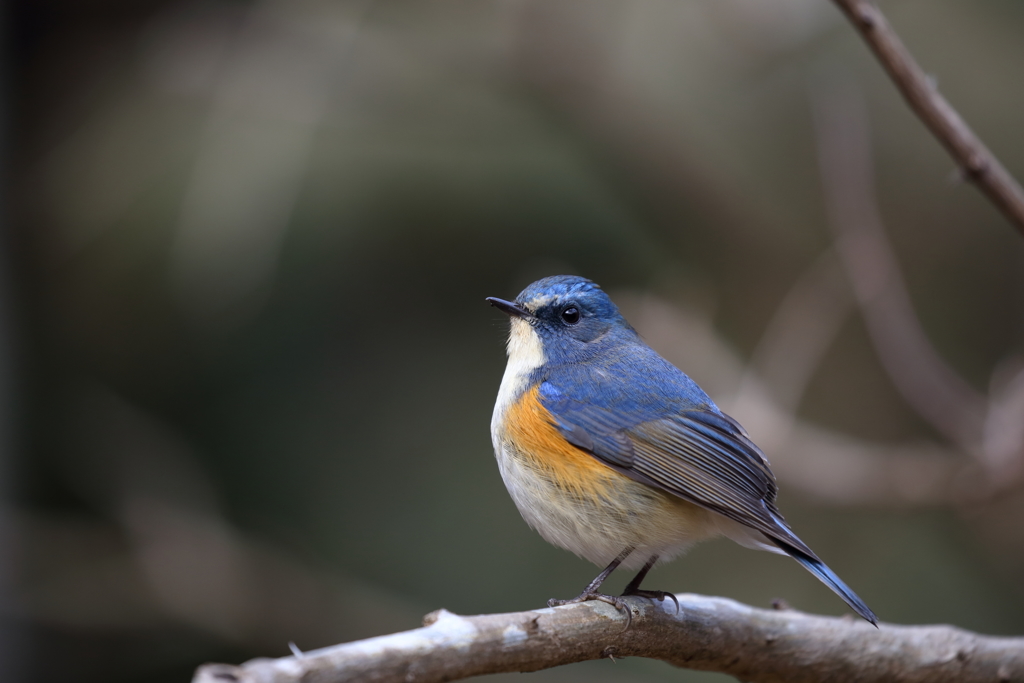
(829, 578)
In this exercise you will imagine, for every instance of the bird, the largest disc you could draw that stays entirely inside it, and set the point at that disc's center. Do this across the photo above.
(611, 452)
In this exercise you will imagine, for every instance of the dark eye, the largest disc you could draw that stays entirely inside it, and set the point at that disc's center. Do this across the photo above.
(571, 315)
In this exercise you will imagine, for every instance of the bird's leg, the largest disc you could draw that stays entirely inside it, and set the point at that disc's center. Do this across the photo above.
(590, 592)
(633, 587)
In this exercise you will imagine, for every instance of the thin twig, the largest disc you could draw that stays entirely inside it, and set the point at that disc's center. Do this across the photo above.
(977, 163)
(710, 634)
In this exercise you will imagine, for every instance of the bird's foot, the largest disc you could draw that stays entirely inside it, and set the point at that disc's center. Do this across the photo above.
(586, 596)
(653, 595)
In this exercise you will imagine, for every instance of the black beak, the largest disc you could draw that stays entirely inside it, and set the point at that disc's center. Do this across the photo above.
(508, 307)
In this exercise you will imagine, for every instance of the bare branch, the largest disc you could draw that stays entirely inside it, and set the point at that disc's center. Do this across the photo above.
(975, 160)
(710, 634)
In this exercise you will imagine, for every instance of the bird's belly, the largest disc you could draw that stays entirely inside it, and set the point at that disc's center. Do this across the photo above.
(590, 509)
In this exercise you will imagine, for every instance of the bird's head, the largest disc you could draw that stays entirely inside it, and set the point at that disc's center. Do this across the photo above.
(565, 317)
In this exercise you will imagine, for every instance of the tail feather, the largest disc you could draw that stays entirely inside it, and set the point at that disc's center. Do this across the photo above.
(829, 578)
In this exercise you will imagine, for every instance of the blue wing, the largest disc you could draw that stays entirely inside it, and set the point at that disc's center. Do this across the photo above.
(681, 444)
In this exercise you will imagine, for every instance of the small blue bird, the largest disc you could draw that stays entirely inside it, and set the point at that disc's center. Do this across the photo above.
(610, 451)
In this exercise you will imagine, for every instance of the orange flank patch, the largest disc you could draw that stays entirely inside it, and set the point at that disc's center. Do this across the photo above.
(538, 443)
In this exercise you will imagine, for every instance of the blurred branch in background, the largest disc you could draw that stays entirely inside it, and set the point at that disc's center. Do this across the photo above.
(977, 163)
(987, 428)
(952, 407)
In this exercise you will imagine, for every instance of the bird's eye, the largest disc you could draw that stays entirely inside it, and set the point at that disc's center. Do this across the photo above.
(571, 315)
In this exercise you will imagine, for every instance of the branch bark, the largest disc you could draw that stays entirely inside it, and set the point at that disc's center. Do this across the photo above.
(977, 163)
(710, 634)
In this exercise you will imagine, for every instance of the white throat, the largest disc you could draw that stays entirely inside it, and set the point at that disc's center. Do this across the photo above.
(525, 354)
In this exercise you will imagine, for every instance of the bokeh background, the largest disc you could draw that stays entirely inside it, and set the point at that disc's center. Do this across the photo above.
(246, 368)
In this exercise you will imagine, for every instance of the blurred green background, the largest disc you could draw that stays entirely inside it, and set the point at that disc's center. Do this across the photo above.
(247, 366)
